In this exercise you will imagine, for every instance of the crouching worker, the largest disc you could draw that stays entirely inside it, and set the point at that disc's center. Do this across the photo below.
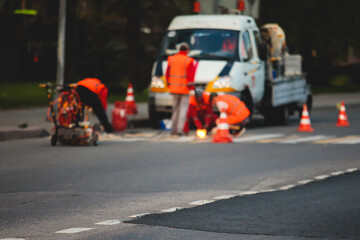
(238, 115)
(94, 94)
(200, 111)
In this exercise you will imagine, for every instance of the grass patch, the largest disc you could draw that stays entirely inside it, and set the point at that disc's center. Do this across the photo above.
(20, 95)
(338, 84)
(23, 95)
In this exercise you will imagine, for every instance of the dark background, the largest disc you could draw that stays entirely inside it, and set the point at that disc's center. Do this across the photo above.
(117, 40)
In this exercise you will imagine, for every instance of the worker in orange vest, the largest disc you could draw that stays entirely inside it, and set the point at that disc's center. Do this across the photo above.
(94, 94)
(200, 111)
(238, 115)
(180, 78)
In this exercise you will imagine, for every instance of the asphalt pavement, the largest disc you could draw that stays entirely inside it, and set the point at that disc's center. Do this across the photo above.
(324, 209)
(32, 123)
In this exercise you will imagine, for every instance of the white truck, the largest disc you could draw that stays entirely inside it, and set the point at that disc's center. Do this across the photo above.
(270, 84)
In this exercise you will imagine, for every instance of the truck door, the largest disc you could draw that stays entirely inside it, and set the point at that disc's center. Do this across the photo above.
(252, 65)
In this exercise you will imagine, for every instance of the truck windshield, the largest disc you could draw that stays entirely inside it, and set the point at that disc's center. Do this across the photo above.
(209, 44)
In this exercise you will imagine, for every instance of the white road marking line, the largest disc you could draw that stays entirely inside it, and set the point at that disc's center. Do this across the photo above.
(247, 193)
(139, 215)
(287, 187)
(224, 197)
(321, 177)
(267, 190)
(350, 170)
(337, 173)
(128, 140)
(257, 137)
(180, 139)
(306, 181)
(348, 141)
(306, 139)
(109, 222)
(174, 209)
(74, 230)
(201, 202)
(336, 140)
(12, 239)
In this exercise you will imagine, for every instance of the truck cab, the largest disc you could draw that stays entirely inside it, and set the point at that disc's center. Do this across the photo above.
(229, 58)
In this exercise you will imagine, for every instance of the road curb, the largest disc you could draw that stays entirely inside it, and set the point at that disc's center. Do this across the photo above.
(13, 134)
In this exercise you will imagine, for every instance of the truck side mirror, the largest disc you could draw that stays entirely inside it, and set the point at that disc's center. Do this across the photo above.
(263, 51)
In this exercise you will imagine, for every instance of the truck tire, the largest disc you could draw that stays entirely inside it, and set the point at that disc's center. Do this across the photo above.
(277, 116)
(154, 119)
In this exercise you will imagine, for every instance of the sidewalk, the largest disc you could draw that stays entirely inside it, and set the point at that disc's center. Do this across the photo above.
(38, 126)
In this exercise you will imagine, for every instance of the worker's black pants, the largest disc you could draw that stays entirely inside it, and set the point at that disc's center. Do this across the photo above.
(90, 99)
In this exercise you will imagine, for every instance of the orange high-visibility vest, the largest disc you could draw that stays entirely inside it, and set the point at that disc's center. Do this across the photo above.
(193, 102)
(236, 110)
(93, 84)
(179, 65)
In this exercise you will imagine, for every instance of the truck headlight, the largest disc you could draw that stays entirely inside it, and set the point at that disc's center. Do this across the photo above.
(157, 82)
(222, 82)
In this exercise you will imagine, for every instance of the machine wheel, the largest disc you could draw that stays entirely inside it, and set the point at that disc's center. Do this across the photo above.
(95, 139)
(53, 140)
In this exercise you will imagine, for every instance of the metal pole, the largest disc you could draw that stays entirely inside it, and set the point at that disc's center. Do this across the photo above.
(61, 44)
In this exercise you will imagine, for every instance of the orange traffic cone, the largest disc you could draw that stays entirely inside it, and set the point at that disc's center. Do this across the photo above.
(222, 134)
(305, 121)
(342, 119)
(131, 108)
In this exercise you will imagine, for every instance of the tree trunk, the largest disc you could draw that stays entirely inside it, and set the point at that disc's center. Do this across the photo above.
(134, 66)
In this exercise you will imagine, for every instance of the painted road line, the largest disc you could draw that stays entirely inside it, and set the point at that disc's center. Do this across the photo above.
(287, 187)
(274, 140)
(321, 177)
(224, 197)
(181, 139)
(253, 138)
(335, 140)
(337, 173)
(12, 238)
(267, 190)
(355, 140)
(109, 222)
(244, 193)
(306, 181)
(201, 202)
(350, 170)
(128, 140)
(305, 139)
(174, 209)
(139, 215)
(74, 230)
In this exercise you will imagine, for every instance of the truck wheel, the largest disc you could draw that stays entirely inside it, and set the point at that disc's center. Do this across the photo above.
(154, 118)
(277, 116)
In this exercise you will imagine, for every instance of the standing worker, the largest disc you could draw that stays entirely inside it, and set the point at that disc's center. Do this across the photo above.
(180, 78)
(93, 93)
(200, 111)
(238, 115)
